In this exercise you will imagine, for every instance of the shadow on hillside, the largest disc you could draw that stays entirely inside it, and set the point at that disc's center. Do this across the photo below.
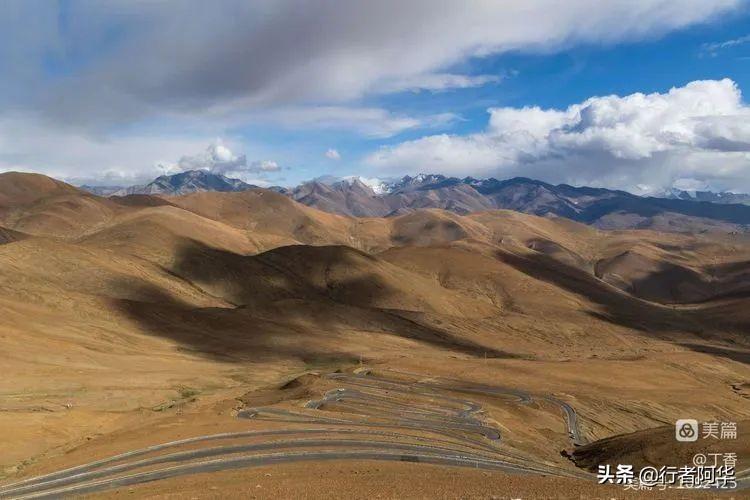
(674, 284)
(668, 322)
(285, 306)
(222, 334)
(742, 356)
(669, 283)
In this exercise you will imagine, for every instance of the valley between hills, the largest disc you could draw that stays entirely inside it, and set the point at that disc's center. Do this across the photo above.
(126, 322)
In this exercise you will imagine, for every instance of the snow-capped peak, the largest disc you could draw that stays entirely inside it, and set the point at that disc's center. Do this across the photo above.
(378, 186)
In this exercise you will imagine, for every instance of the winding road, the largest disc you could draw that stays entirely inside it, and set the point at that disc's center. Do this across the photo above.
(365, 417)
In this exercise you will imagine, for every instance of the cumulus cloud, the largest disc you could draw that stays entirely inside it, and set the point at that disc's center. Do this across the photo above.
(219, 159)
(86, 71)
(216, 158)
(700, 131)
(80, 159)
(333, 154)
(32, 146)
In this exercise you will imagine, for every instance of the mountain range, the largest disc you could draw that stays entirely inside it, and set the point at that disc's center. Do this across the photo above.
(680, 211)
(131, 321)
(191, 181)
(721, 197)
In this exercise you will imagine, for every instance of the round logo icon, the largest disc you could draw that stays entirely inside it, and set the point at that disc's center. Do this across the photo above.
(686, 430)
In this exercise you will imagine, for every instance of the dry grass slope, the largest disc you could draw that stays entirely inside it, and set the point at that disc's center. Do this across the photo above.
(112, 307)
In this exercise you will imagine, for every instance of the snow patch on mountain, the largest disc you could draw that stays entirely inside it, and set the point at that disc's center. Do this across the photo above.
(378, 186)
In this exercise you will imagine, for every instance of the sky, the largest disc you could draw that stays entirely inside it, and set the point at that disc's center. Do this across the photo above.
(641, 95)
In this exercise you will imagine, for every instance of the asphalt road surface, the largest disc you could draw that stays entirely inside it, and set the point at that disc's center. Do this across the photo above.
(365, 417)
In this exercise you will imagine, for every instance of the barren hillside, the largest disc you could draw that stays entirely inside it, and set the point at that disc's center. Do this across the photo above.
(128, 321)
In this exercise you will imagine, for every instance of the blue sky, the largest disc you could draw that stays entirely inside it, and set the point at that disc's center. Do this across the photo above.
(263, 90)
(549, 80)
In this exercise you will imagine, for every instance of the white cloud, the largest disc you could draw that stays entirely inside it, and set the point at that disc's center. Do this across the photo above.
(33, 146)
(333, 154)
(690, 185)
(29, 145)
(191, 71)
(257, 181)
(377, 185)
(713, 49)
(264, 166)
(700, 131)
(219, 159)
(372, 122)
(437, 82)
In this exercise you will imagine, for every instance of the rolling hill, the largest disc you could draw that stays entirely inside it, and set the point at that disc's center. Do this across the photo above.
(128, 319)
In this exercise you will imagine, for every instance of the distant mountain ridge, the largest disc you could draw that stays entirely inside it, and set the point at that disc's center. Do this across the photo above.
(599, 207)
(709, 196)
(103, 190)
(191, 181)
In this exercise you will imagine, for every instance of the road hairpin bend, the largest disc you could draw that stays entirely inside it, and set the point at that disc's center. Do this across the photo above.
(363, 417)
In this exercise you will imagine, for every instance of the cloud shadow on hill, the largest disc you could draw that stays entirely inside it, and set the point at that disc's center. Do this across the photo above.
(617, 307)
(279, 313)
(739, 355)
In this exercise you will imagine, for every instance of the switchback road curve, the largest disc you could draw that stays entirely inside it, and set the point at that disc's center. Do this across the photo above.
(363, 417)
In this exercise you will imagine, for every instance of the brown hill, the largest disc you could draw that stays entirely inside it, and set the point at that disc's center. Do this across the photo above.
(657, 447)
(353, 277)
(9, 236)
(19, 189)
(159, 234)
(265, 212)
(429, 227)
(653, 279)
(130, 321)
(38, 205)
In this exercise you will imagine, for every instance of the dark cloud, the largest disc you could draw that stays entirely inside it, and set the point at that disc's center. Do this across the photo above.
(127, 86)
(120, 61)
